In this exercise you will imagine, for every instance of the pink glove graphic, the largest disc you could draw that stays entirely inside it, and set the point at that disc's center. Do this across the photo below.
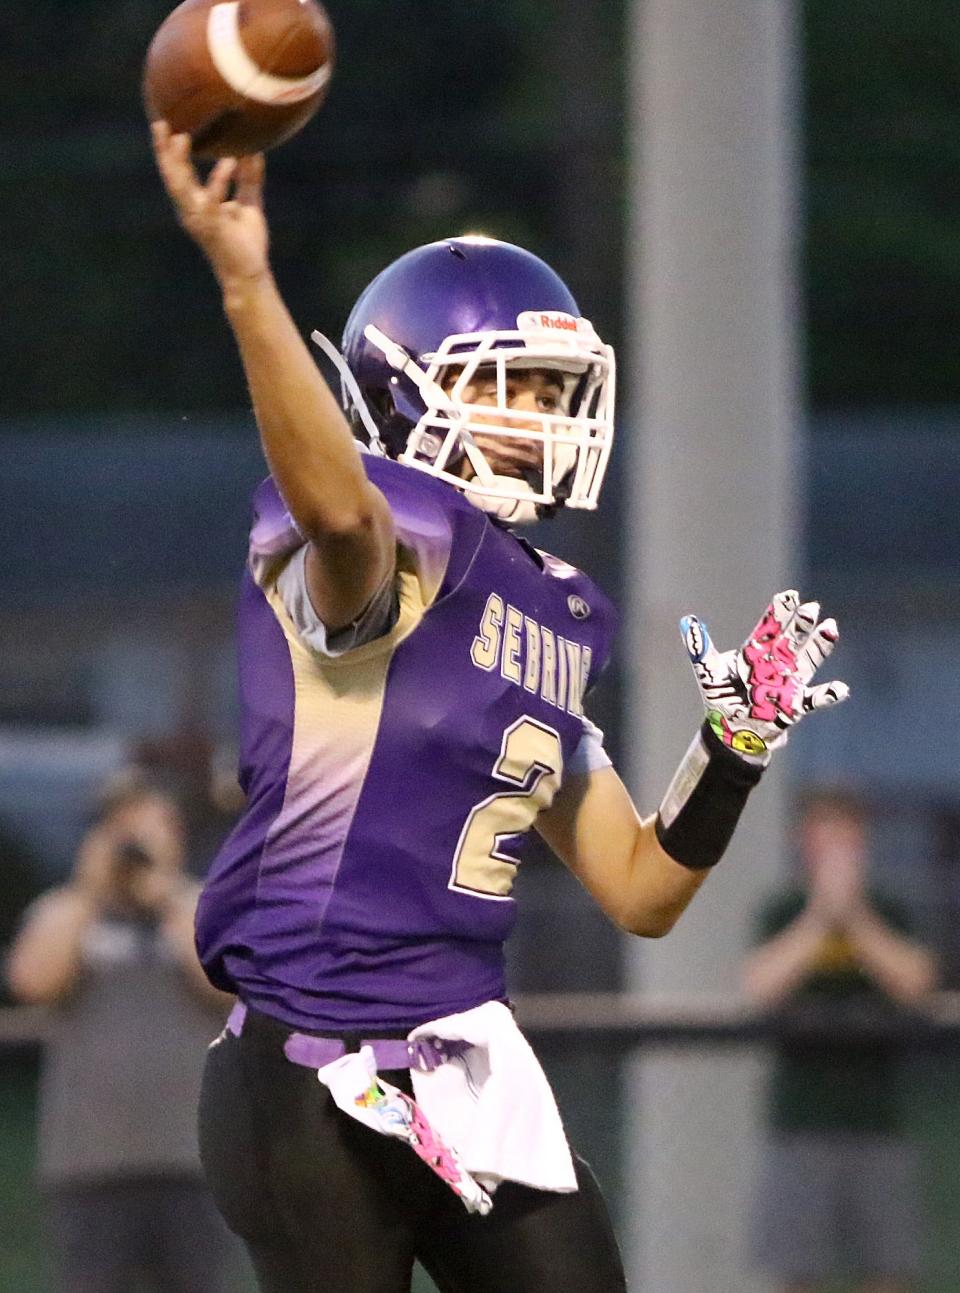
(754, 694)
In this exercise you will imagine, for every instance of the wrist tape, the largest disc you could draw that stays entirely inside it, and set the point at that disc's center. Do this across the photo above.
(704, 801)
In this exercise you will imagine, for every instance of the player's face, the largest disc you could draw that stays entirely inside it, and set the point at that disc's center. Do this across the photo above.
(533, 390)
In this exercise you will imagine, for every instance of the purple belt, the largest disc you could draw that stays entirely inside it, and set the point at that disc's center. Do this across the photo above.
(424, 1054)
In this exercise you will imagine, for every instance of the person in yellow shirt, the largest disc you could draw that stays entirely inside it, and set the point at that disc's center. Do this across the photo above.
(839, 1189)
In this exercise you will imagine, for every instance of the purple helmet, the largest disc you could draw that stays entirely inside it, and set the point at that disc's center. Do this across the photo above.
(418, 335)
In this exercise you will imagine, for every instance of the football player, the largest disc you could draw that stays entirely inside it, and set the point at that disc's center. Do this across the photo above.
(413, 676)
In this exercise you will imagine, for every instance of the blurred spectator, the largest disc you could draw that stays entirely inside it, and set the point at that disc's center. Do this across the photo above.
(21, 884)
(839, 1191)
(204, 779)
(112, 952)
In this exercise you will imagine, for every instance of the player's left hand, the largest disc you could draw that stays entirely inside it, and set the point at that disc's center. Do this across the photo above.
(754, 694)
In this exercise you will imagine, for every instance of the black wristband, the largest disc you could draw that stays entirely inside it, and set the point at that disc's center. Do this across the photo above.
(703, 803)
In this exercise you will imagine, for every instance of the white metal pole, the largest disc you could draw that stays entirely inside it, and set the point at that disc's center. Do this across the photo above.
(714, 415)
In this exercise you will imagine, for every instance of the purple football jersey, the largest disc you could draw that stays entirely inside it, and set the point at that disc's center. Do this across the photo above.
(367, 884)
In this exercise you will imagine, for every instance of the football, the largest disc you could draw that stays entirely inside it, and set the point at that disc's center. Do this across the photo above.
(239, 76)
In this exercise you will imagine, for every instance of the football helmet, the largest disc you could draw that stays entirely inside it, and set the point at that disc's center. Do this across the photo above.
(413, 347)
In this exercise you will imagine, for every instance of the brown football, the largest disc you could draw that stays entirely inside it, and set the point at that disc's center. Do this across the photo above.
(239, 76)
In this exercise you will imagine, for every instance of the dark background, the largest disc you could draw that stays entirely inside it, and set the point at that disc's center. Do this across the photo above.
(438, 122)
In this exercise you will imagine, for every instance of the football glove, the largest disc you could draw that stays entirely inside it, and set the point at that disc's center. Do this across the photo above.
(753, 695)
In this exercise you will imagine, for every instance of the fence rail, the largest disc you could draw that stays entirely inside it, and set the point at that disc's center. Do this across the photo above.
(627, 1020)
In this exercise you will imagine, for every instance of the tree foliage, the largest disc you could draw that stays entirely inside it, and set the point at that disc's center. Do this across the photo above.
(883, 215)
(444, 117)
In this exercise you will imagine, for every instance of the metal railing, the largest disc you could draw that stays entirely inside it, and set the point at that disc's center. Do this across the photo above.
(622, 1020)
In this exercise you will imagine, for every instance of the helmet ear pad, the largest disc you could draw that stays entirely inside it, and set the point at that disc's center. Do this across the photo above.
(406, 399)
(397, 410)
(394, 425)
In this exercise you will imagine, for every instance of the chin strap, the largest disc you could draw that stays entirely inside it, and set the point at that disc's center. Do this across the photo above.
(352, 389)
(509, 511)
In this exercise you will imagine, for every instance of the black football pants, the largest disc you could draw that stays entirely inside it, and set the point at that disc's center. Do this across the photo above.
(326, 1205)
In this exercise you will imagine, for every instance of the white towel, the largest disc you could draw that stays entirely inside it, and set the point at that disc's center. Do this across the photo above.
(493, 1104)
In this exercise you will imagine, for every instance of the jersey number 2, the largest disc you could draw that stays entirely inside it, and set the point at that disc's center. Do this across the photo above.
(531, 759)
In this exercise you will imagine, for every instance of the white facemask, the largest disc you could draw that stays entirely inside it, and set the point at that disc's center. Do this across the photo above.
(576, 441)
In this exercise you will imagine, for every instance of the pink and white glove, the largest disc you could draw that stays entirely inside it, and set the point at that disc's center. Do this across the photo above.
(756, 693)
